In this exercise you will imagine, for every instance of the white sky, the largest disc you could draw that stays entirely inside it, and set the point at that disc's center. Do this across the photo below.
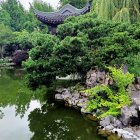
(25, 3)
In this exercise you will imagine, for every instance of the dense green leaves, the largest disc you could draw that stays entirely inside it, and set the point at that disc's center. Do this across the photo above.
(82, 42)
(13, 14)
(16, 12)
(70, 56)
(108, 100)
(107, 43)
(5, 17)
(76, 3)
(39, 66)
(118, 10)
(42, 6)
(6, 37)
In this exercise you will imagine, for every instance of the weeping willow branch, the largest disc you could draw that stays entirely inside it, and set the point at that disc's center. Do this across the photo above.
(118, 10)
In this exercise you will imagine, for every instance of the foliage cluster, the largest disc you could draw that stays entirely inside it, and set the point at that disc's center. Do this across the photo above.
(13, 14)
(110, 99)
(107, 43)
(16, 24)
(76, 3)
(120, 11)
(39, 66)
(81, 43)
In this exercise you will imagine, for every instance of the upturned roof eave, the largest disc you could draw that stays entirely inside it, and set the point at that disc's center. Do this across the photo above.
(59, 12)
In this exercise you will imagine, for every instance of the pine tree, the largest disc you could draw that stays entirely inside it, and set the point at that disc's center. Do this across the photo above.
(16, 12)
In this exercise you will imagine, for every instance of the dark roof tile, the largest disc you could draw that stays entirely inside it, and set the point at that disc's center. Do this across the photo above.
(58, 17)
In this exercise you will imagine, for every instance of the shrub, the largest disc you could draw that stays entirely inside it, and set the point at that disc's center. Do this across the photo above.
(108, 99)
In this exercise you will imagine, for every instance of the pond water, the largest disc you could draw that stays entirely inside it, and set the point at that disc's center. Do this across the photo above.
(27, 115)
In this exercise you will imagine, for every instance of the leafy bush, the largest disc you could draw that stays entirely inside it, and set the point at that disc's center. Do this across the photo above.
(134, 63)
(81, 43)
(40, 66)
(107, 43)
(110, 100)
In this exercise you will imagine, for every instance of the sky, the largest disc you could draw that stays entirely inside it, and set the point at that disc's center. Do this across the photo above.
(25, 3)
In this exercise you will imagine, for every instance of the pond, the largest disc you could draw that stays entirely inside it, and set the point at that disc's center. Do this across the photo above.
(28, 115)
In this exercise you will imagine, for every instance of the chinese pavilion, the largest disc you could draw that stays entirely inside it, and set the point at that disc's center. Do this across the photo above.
(53, 19)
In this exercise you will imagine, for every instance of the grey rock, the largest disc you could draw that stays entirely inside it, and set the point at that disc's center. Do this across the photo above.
(82, 94)
(138, 80)
(126, 114)
(109, 127)
(117, 124)
(133, 88)
(119, 131)
(60, 90)
(127, 137)
(106, 121)
(135, 96)
(69, 102)
(96, 77)
(76, 95)
(58, 97)
(65, 96)
(137, 133)
(128, 129)
(125, 69)
(137, 86)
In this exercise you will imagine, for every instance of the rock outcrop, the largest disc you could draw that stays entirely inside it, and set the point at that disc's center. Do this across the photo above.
(126, 127)
(73, 99)
(95, 77)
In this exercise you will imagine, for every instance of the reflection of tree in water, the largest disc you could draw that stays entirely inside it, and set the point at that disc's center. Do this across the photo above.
(13, 91)
(22, 103)
(1, 114)
(24, 98)
(11, 73)
(60, 124)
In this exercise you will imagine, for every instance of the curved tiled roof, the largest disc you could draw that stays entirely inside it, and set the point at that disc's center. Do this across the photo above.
(58, 17)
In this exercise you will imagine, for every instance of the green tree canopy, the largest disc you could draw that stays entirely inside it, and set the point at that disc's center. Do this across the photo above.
(5, 17)
(6, 36)
(85, 42)
(118, 10)
(107, 43)
(39, 66)
(16, 12)
(42, 6)
(76, 3)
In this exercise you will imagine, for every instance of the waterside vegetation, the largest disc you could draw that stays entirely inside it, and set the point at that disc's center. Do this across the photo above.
(106, 38)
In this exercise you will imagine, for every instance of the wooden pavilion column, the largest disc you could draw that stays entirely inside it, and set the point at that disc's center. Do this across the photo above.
(52, 29)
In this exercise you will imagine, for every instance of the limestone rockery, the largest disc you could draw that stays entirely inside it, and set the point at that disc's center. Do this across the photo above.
(126, 127)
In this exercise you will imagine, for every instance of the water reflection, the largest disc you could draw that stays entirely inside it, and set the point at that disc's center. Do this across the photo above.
(58, 123)
(13, 91)
(24, 115)
(13, 127)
